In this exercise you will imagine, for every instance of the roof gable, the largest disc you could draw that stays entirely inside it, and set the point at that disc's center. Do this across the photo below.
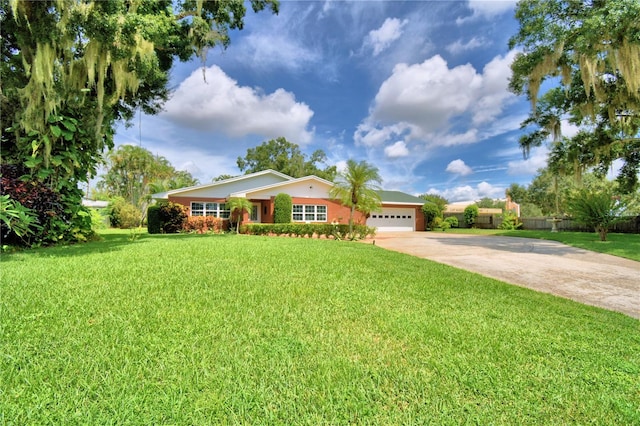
(223, 188)
(308, 186)
(397, 197)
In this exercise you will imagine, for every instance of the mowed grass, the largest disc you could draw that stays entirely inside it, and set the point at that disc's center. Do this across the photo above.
(190, 329)
(621, 245)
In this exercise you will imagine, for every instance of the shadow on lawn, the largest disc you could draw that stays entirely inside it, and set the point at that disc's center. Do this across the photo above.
(108, 243)
(620, 245)
(509, 244)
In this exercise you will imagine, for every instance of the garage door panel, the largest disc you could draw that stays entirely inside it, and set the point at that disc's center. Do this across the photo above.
(393, 219)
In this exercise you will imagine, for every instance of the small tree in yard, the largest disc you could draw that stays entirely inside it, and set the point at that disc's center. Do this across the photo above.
(470, 215)
(238, 205)
(598, 209)
(356, 187)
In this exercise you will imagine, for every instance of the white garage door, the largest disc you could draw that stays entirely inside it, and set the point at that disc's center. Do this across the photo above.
(393, 219)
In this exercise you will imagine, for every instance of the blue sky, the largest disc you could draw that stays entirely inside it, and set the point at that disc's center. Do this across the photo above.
(419, 89)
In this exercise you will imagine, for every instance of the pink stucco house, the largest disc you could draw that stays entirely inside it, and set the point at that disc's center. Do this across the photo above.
(310, 196)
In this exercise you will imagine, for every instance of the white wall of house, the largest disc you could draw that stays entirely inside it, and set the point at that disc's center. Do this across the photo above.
(304, 189)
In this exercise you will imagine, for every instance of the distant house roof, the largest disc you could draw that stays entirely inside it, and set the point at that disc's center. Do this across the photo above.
(397, 197)
(96, 204)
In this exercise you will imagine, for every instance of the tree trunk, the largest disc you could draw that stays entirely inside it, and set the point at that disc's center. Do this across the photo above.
(353, 208)
(602, 230)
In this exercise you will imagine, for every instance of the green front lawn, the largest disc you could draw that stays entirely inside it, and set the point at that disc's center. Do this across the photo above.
(190, 329)
(622, 245)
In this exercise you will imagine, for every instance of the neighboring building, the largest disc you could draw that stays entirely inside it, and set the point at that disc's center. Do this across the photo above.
(511, 206)
(487, 217)
(310, 197)
(94, 204)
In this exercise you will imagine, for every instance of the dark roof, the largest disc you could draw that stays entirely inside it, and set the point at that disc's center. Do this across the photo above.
(398, 197)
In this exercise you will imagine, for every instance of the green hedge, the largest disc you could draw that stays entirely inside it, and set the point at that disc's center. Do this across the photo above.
(282, 208)
(166, 218)
(154, 223)
(310, 230)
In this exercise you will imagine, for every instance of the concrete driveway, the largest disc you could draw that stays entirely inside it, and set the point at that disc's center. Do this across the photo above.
(592, 278)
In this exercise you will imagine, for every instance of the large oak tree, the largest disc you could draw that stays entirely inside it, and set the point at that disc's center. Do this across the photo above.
(590, 51)
(72, 68)
(285, 157)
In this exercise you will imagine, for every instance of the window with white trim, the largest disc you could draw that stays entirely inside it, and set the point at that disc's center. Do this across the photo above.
(201, 208)
(309, 213)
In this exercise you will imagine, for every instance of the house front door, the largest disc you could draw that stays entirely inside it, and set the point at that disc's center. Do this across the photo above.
(255, 213)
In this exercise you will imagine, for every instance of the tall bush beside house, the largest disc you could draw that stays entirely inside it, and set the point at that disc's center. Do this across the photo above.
(597, 209)
(471, 215)
(282, 208)
(154, 223)
(431, 212)
(173, 217)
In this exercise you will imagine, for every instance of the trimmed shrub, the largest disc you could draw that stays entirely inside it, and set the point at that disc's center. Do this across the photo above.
(282, 208)
(123, 214)
(203, 224)
(328, 230)
(154, 223)
(453, 221)
(470, 215)
(173, 216)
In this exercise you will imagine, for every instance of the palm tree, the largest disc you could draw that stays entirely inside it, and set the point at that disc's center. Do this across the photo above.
(356, 187)
(239, 205)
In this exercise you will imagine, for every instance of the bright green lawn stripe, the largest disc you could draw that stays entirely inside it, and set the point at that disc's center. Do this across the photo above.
(233, 329)
(622, 245)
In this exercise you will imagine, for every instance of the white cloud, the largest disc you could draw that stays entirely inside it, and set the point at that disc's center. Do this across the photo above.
(398, 149)
(568, 130)
(494, 93)
(459, 167)
(426, 94)
(470, 136)
(369, 135)
(490, 8)
(219, 104)
(383, 37)
(341, 166)
(327, 7)
(487, 9)
(468, 192)
(537, 159)
(459, 47)
(268, 51)
(421, 101)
